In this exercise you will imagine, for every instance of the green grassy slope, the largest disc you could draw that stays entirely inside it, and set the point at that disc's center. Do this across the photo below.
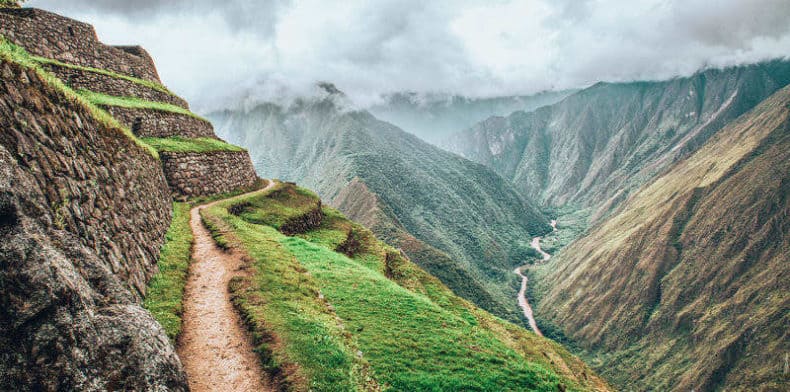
(135, 103)
(456, 218)
(367, 318)
(686, 287)
(179, 144)
(166, 289)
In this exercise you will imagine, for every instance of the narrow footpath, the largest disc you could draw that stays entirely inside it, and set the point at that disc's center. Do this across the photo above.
(522, 298)
(214, 347)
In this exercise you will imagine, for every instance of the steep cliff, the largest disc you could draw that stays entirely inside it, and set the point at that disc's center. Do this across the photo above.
(686, 286)
(596, 146)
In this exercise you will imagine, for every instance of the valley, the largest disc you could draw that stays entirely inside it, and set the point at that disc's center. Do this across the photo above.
(455, 218)
(462, 212)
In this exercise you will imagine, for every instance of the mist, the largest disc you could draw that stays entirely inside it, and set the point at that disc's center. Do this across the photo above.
(249, 51)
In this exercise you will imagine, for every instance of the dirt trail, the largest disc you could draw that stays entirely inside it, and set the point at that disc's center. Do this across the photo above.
(522, 298)
(214, 346)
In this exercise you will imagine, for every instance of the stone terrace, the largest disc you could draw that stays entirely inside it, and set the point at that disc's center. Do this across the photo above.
(53, 36)
(68, 41)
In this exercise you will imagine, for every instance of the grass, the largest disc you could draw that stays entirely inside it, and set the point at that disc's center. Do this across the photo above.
(166, 288)
(135, 103)
(179, 144)
(18, 55)
(289, 202)
(376, 316)
(146, 83)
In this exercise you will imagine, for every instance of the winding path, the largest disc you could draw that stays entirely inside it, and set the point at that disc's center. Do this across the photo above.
(214, 346)
(522, 298)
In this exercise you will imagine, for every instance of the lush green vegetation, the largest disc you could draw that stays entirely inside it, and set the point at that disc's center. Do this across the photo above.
(329, 322)
(135, 103)
(143, 82)
(18, 55)
(179, 144)
(166, 288)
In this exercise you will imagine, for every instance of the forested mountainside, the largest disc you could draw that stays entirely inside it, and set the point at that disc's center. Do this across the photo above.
(458, 219)
(596, 146)
(686, 286)
(434, 117)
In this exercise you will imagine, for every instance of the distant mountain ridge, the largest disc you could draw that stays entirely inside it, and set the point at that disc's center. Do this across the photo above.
(686, 287)
(456, 218)
(596, 146)
(433, 117)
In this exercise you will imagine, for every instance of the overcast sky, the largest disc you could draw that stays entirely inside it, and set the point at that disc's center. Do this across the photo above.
(216, 52)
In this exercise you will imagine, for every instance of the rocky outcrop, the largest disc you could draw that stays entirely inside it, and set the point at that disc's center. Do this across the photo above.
(111, 85)
(157, 123)
(53, 36)
(303, 223)
(207, 173)
(83, 212)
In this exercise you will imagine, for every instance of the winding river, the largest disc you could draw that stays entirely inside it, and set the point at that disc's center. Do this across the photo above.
(522, 298)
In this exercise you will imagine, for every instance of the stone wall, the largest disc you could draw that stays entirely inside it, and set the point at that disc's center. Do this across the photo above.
(53, 36)
(81, 79)
(157, 123)
(207, 173)
(83, 213)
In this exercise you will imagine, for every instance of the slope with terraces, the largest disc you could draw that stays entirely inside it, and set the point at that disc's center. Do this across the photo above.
(123, 81)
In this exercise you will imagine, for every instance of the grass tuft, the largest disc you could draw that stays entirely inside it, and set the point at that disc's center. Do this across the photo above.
(166, 288)
(146, 83)
(178, 144)
(135, 103)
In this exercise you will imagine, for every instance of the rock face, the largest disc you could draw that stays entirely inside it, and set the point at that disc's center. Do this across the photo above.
(208, 173)
(56, 37)
(687, 287)
(83, 212)
(597, 145)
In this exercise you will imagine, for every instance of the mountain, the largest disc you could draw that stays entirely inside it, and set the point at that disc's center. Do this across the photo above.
(434, 117)
(685, 287)
(457, 219)
(596, 146)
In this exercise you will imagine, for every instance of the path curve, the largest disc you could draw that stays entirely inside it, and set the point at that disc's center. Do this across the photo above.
(522, 297)
(214, 347)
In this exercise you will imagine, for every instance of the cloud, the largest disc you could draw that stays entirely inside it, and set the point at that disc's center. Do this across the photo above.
(220, 53)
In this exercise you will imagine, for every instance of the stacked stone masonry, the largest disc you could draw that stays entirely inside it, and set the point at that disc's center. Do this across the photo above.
(157, 123)
(202, 174)
(83, 213)
(53, 36)
(105, 84)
